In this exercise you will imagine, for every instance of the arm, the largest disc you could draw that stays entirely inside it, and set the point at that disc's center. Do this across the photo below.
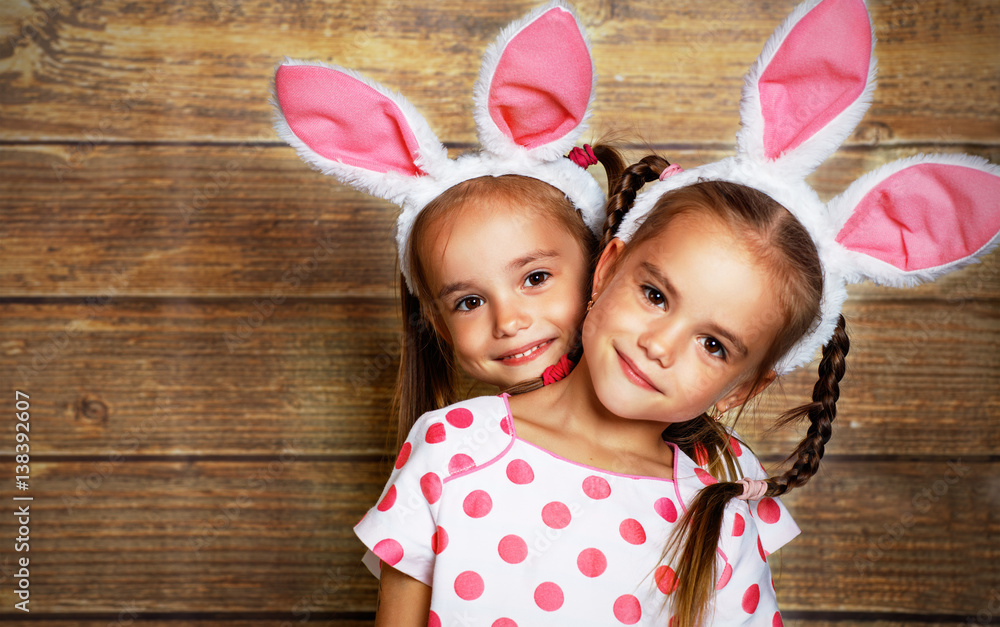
(402, 600)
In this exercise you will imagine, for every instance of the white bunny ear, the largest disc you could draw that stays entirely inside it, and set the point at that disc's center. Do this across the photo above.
(536, 86)
(354, 129)
(809, 88)
(916, 219)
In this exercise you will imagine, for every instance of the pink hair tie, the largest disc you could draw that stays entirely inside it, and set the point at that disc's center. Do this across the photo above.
(753, 489)
(583, 157)
(557, 371)
(670, 171)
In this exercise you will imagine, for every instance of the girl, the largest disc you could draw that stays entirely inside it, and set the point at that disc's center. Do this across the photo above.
(552, 507)
(494, 247)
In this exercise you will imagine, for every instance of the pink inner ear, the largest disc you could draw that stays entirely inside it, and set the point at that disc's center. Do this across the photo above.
(819, 70)
(342, 119)
(542, 83)
(926, 216)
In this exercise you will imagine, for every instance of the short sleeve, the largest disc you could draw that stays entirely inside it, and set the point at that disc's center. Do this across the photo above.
(745, 594)
(775, 524)
(399, 530)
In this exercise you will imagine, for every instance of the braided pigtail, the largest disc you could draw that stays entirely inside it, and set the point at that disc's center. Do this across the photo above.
(622, 195)
(693, 549)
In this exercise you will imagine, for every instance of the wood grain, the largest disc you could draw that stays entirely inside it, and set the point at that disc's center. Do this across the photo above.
(186, 71)
(247, 220)
(158, 377)
(266, 535)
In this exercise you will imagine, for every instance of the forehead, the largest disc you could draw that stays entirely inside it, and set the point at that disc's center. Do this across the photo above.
(716, 275)
(483, 235)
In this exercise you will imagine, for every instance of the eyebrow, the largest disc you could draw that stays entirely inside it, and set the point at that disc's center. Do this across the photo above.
(714, 327)
(532, 257)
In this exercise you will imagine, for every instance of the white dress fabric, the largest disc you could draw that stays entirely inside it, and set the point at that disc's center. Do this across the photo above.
(508, 534)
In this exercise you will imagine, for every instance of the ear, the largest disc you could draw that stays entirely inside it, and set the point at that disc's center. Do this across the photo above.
(536, 86)
(350, 127)
(916, 219)
(607, 263)
(744, 392)
(810, 86)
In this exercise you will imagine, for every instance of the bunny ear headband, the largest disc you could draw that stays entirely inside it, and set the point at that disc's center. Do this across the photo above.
(909, 221)
(532, 101)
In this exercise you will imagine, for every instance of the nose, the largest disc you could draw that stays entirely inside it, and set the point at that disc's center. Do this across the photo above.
(660, 340)
(509, 318)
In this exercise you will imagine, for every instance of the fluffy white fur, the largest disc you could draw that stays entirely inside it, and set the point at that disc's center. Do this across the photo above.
(860, 266)
(500, 155)
(490, 136)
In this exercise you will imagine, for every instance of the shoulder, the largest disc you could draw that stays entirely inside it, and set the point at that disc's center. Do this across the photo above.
(459, 437)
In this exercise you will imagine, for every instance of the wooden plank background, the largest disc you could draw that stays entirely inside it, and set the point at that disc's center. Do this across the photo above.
(199, 454)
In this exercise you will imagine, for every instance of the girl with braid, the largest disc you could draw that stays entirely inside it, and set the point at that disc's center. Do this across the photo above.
(579, 503)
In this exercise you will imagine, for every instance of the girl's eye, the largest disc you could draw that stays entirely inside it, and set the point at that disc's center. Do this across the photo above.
(469, 303)
(654, 296)
(713, 347)
(536, 278)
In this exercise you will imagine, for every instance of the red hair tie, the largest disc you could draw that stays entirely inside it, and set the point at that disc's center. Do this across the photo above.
(583, 157)
(557, 371)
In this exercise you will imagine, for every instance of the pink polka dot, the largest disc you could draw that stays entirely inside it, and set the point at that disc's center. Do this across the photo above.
(738, 526)
(632, 532)
(389, 551)
(460, 462)
(388, 500)
(751, 598)
(700, 454)
(505, 425)
(520, 472)
(627, 609)
(469, 586)
(666, 509)
(666, 579)
(760, 548)
(439, 541)
(548, 596)
(460, 417)
(727, 574)
(596, 487)
(512, 549)
(768, 510)
(477, 504)
(591, 562)
(735, 445)
(433, 620)
(503, 622)
(430, 485)
(404, 454)
(706, 478)
(435, 433)
(776, 621)
(556, 515)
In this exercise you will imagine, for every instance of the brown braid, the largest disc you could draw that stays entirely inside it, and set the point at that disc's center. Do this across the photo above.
(620, 198)
(821, 413)
(694, 550)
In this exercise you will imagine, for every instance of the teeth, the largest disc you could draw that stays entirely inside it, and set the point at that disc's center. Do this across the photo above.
(527, 352)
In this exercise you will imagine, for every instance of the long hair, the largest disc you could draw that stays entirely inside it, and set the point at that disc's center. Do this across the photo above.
(786, 251)
(427, 371)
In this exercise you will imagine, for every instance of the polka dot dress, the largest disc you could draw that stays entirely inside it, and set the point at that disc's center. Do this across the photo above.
(508, 534)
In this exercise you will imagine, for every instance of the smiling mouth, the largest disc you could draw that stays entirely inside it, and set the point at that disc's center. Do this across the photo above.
(525, 354)
(633, 374)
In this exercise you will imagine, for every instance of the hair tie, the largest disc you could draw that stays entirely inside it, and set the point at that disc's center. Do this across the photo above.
(670, 170)
(583, 157)
(557, 371)
(753, 489)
